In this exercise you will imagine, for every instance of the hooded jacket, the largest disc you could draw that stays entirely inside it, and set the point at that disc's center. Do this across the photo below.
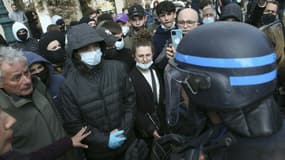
(56, 58)
(55, 80)
(49, 37)
(30, 44)
(232, 10)
(101, 98)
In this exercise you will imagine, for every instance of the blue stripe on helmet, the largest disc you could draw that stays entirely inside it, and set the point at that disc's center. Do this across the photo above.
(227, 62)
(253, 79)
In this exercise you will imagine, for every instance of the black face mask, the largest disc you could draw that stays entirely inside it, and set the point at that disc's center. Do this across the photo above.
(43, 75)
(23, 37)
(268, 18)
(56, 57)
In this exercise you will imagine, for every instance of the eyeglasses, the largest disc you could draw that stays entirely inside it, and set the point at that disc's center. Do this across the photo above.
(188, 22)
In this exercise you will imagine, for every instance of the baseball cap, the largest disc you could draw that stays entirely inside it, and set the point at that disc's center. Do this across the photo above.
(121, 18)
(136, 10)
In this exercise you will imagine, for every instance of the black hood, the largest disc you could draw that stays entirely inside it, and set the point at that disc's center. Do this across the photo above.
(82, 35)
(231, 10)
(49, 37)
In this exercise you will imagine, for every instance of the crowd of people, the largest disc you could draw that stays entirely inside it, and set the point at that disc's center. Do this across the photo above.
(168, 82)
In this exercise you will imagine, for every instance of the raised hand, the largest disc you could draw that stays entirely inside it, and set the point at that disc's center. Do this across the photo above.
(76, 139)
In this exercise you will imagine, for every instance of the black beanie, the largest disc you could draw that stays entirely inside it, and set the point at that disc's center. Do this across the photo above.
(231, 10)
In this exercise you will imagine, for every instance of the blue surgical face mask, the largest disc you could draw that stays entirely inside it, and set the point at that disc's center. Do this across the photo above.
(144, 66)
(208, 20)
(120, 44)
(91, 58)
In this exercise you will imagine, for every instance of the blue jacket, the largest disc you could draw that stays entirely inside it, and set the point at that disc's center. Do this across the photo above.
(55, 80)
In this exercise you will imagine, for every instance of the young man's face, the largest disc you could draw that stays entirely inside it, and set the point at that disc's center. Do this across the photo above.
(93, 16)
(167, 19)
(208, 12)
(137, 21)
(22, 34)
(271, 8)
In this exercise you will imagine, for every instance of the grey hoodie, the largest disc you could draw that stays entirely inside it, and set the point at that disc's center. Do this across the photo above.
(30, 44)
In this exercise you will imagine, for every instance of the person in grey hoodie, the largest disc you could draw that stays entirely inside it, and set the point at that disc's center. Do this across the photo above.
(24, 41)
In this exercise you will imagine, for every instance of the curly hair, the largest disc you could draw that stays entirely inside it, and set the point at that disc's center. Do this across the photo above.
(142, 38)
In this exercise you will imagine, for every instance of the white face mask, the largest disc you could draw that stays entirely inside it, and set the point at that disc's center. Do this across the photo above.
(166, 28)
(91, 58)
(208, 20)
(144, 66)
(125, 30)
(120, 44)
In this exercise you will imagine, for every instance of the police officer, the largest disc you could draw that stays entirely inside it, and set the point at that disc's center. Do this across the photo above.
(230, 80)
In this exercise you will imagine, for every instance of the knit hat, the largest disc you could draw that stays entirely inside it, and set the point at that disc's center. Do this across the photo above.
(231, 10)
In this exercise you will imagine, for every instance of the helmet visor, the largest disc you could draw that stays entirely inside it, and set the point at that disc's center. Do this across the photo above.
(179, 84)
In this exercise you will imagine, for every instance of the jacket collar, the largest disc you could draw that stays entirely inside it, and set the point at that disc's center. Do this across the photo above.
(15, 101)
(18, 101)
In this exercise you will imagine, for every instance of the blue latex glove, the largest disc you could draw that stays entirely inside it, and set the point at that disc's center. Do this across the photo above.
(116, 139)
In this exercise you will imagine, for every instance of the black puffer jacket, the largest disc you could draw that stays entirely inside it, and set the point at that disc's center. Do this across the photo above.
(103, 98)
